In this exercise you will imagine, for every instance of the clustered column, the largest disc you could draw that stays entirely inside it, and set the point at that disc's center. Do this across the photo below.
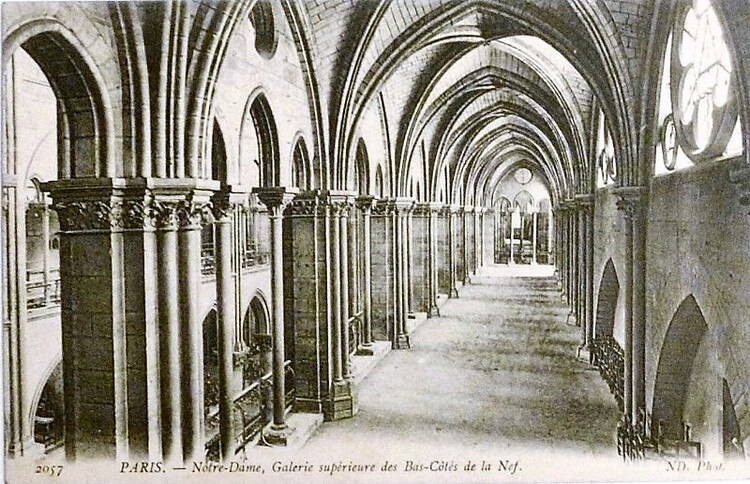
(365, 204)
(633, 202)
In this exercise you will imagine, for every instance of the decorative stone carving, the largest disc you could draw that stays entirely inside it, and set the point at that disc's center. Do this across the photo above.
(87, 215)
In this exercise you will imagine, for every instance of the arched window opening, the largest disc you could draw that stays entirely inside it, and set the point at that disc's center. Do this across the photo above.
(698, 112)
(218, 154)
(362, 169)
(301, 166)
(267, 142)
(379, 181)
(49, 417)
(264, 24)
(606, 162)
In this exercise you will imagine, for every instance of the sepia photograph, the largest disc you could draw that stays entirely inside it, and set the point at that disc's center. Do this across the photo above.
(378, 241)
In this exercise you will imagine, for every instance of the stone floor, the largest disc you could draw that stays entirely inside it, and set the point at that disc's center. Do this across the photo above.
(495, 378)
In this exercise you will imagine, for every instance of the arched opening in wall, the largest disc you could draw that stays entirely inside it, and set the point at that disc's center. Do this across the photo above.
(362, 169)
(55, 126)
(301, 165)
(267, 142)
(522, 223)
(263, 22)
(379, 181)
(684, 335)
(256, 336)
(606, 303)
(49, 416)
(504, 214)
(732, 444)
(218, 154)
(211, 373)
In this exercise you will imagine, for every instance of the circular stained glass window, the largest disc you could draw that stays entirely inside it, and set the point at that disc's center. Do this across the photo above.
(704, 108)
(523, 176)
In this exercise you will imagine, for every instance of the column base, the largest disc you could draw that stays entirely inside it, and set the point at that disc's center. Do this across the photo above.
(366, 350)
(433, 312)
(277, 436)
(340, 403)
(453, 293)
(583, 352)
(402, 342)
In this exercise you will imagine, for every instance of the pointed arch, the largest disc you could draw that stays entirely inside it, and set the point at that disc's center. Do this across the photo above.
(259, 141)
(606, 302)
(684, 334)
(85, 116)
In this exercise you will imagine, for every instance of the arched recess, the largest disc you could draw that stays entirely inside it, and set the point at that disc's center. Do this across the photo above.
(256, 320)
(684, 335)
(48, 408)
(522, 200)
(218, 154)
(301, 175)
(362, 169)
(379, 181)
(262, 149)
(85, 128)
(606, 302)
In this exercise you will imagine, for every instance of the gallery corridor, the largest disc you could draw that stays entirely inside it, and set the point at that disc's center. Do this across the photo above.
(495, 377)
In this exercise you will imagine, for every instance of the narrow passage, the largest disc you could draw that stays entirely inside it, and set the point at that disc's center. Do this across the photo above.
(495, 375)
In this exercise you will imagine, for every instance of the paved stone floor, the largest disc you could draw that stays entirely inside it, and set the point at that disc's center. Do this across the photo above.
(494, 378)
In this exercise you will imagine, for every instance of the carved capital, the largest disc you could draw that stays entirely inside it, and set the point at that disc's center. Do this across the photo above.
(307, 205)
(222, 206)
(366, 203)
(87, 215)
(192, 214)
(384, 207)
(421, 210)
(276, 198)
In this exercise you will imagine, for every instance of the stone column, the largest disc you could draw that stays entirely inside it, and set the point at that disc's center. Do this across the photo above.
(533, 238)
(432, 309)
(587, 271)
(421, 253)
(223, 211)
(366, 203)
(633, 202)
(453, 210)
(345, 314)
(403, 209)
(382, 270)
(192, 214)
(468, 231)
(276, 199)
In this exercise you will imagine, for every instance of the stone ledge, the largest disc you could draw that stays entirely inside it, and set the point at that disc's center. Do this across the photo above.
(362, 366)
(302, 425)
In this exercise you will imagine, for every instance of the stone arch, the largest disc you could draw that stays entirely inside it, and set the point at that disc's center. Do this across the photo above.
(379, 181)
(257, 319)
(49, 394)
(259, 137)
(522, 200)
(606, 302)
(362, 169)
(301, 167)
(219, 168)
(684, 334)
(85, 118)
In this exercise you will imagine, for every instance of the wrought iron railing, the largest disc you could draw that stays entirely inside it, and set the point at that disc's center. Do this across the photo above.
(255, 258)
(41, 293)
(608, 357)
(253, 410)
(208, 260)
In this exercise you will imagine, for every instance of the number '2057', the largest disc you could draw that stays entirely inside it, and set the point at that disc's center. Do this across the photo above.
(52, 471)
